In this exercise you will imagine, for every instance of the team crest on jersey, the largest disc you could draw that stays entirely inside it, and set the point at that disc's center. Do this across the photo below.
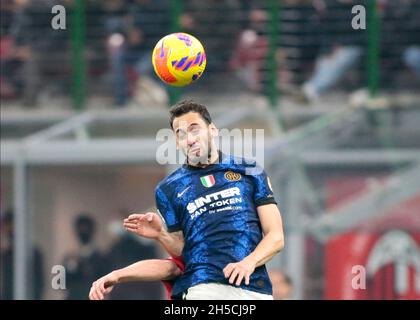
(232, 176)
(208, 181)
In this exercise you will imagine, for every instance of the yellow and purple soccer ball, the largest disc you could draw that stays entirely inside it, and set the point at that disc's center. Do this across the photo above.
(179, 59)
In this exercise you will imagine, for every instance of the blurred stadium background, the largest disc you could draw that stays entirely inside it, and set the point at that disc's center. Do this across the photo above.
(340, 107)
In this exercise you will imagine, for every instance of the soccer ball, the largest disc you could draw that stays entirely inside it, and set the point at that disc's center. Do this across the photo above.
(179, 59)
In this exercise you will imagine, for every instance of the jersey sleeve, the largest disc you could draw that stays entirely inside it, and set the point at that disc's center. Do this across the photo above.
(263, 191)
(167, 211)
(179, 262)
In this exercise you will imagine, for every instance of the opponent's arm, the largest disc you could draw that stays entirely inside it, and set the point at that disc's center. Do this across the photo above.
(150, 225)
(271, 243)
(146, 270)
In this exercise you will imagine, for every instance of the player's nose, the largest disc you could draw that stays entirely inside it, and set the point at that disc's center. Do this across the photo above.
(191, 140)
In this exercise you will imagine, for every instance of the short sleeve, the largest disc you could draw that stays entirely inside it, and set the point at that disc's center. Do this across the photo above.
(166, 210)
(263, 191)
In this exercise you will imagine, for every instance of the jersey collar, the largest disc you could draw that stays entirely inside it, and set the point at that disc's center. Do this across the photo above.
(222, 158)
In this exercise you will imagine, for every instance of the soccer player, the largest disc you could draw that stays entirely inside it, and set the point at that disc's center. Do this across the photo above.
(165, 270)
(220, 215)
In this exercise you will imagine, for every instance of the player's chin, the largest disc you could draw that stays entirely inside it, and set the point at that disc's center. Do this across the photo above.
(194, 155)
(193, 159)
(197, 159)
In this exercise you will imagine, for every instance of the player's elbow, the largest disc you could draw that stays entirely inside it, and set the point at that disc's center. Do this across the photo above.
(175, 271)
(172, 271)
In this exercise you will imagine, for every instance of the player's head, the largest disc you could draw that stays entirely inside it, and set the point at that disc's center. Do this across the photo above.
(282, 285)
(84, 227)
(194, 130)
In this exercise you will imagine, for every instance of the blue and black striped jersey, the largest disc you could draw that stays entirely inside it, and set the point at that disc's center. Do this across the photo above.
(215, 207)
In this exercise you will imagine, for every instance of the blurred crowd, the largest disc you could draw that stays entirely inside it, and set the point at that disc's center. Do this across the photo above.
(86, 263)
(83, 264)
(318, 47)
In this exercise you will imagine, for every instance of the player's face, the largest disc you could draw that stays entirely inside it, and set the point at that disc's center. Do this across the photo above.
(194, 136)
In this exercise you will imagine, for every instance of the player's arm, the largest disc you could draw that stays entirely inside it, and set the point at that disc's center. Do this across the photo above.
(146, 270)
(150, 225)
(173, 242)
(271, 243)
(273, 240)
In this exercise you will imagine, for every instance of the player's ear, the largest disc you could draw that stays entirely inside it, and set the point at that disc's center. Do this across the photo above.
(213, 130)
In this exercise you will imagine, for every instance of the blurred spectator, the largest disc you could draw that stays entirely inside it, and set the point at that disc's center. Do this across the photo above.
(36, 272)
(251, 50)
(217, 24)
(299, 43)
(132, 36)
(42, 50)
(86, 264)
(400, 38)
(125, 250)
(95, 33)
(8, 62)
(114, 15)
(6, 15)
(297, 29)
(282, 285)
(412, 59)
(342, 46)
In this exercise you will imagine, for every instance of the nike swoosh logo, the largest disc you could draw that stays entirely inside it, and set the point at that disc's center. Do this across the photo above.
(181, 193)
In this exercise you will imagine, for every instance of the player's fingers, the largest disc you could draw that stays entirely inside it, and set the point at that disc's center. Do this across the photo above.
(108, 289)
(247, 278)
(135, 216)
(131, 225)
(98, 292)
(228, 270)
(240, 277)
(94, 294)
(233, 275)
(146, 217)
(133, 221)
(131, 229)
(92, 290)
(101, 286)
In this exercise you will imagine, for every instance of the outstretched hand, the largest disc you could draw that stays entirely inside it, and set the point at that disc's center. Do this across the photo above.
(103, 286)
(148, 225)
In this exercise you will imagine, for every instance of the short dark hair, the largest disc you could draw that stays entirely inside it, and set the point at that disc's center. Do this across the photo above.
(186, 106)
(84, 218)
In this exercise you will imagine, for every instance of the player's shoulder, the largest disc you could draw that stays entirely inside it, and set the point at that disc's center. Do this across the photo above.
(172, 178)
(242, 163)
